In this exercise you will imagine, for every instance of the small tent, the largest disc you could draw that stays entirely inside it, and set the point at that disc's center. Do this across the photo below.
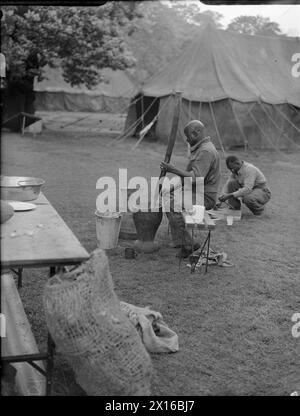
(110, 96)
(242, 87)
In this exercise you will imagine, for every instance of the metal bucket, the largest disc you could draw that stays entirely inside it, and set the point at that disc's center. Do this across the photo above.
(108, 229)
(20, 188)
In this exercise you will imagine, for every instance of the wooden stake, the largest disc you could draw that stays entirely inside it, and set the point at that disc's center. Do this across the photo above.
(172, 136)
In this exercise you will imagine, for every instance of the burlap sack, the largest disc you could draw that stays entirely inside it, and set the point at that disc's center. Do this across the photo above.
(85, 320)
(154, 332)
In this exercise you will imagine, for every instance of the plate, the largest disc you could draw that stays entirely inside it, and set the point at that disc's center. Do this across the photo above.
(22, 206)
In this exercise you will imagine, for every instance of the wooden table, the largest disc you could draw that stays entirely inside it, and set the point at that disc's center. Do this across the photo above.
(39, 238)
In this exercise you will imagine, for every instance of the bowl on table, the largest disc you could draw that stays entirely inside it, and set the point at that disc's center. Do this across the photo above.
(20, 188)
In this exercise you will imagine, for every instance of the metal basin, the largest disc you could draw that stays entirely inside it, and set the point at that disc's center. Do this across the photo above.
(20, 188)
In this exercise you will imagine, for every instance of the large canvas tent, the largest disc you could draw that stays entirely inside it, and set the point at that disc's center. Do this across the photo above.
(241, 86)
(110, 96)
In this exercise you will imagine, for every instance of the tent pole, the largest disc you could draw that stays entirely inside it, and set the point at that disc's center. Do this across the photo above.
(172, 138)
(286, 118)
(246, 143)
(216, 128)
(264, 134)
(275, 124)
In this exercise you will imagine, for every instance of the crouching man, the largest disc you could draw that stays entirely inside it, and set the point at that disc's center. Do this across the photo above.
(246, 182)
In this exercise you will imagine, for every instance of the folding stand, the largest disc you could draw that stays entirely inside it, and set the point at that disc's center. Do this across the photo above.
(194, 259)
(207, 224)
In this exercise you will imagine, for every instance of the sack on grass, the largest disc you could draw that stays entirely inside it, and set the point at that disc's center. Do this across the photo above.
(156, 335)
(88, 327)
(6, 211)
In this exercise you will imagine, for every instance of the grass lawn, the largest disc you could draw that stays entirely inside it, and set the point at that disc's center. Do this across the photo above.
(234, 324)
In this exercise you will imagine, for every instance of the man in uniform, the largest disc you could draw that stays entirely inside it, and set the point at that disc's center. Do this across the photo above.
(247, 183)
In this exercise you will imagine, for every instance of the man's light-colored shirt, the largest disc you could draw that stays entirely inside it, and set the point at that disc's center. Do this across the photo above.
(249, 177)
(205, 162)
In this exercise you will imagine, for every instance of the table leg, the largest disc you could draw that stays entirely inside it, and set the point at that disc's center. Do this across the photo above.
(207, 254)
(52, 271)
(207, 241)
(50, 365)
(19, 274)
(50, 352)
(180, 254)
(192, 240)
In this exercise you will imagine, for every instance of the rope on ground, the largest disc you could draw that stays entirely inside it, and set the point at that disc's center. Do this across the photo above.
(216, 128)
(91, 115)
(276, 125)
(76, 121)
(121, 112)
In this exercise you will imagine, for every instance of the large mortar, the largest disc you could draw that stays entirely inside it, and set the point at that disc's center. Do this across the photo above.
(147, 224)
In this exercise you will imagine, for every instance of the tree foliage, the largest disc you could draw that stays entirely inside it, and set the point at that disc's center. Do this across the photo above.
(255, 25)
(163, 32)
(155, 38)
(81, 39)
(191, 13)
(143, 36)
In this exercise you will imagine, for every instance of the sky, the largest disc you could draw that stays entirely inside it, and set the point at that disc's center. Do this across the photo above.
(288, 16)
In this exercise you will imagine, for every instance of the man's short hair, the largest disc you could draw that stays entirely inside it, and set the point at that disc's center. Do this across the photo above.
(231, 159)
(194, 125)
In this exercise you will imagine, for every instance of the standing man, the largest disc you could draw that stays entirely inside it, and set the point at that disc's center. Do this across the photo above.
(204, 162)
(246, 182)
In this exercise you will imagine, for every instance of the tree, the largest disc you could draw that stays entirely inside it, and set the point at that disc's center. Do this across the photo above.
(80, 39)
(191, 13)
(155, 38)
(255, 25)
(166, 29)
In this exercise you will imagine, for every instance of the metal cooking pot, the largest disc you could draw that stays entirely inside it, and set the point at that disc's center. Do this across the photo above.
(20, 188)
